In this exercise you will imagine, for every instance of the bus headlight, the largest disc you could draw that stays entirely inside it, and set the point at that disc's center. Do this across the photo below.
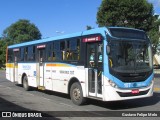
(151, 82)
(113, 84)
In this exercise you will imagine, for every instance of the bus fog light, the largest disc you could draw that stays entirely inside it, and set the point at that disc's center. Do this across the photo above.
(112, 84)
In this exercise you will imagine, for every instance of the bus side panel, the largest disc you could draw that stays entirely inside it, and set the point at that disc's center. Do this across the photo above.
(60, 78)
(9, 71)
(30, 70)
(83, 77)
(48, 77)
(32, 75)
(57, 77)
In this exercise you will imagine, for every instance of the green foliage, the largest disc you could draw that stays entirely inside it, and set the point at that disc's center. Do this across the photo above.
(128, 13)
(22, 31)
(154, 35)
(3, 46)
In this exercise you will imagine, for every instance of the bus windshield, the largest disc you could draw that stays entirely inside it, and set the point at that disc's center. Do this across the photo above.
(127, 33)
(130, 56)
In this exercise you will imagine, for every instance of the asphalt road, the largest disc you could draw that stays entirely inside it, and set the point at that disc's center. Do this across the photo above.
(15, 98)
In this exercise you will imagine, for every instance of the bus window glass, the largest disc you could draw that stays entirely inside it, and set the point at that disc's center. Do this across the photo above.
(16, 56)
(34, 53)
(25, 54)
(62, 48)
(49, 52)
(53, 53)
(22, 54)
(10, 55)
(127, 33)
(30, 53)
(57, 50)
(72, 52)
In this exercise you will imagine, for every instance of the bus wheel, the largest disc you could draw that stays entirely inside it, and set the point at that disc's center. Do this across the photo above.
(25, 83)
(76, 94)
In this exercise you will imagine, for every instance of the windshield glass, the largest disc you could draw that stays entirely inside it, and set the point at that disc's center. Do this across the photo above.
(127, 33)
(130, 56)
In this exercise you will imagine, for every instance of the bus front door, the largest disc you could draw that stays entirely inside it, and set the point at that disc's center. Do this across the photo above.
(40, 68)
(94, 65)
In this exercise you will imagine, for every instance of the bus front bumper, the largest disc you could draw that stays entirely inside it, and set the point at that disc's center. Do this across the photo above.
(116, 94)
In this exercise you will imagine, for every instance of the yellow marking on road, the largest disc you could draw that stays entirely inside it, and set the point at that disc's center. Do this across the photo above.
(156, 89)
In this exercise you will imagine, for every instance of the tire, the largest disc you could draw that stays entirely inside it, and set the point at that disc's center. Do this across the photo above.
(25, 83)
(76, 94)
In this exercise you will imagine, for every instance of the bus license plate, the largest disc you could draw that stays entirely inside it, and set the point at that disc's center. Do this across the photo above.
(135, 91)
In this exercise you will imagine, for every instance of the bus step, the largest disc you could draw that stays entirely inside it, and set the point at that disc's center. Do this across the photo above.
(41, 87)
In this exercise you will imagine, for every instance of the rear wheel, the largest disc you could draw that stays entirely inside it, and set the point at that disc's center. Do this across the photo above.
(25, 83)
(76, 94)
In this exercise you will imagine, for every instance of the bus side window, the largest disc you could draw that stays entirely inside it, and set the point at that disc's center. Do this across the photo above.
(22, 54)
(56, 50)
(16, 56)
(34, 49)
(31, 53)
(53, 52)
(49, 52)
(62, 49)
(68, 51)
(10, 55)
(25, 53)
(78, 49)
(73, 49)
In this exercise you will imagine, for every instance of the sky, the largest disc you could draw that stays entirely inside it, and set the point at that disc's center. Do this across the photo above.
(54, 17)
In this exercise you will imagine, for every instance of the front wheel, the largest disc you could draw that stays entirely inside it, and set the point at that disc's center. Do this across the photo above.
(76, 94)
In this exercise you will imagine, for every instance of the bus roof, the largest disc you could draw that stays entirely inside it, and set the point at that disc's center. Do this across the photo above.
(100, 30)
(92, 31)
(127, 28)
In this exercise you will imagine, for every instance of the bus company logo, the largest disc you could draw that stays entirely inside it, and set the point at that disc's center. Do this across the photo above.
(26, 67)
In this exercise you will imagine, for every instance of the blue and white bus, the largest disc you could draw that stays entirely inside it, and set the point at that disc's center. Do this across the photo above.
(108, 64)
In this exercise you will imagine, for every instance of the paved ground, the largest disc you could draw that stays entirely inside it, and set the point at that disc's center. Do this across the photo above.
(15, 98)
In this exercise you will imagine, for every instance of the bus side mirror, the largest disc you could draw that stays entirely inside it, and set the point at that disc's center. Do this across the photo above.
(108, 49)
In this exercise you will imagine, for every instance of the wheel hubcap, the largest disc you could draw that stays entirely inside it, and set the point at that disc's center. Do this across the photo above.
(76, 94)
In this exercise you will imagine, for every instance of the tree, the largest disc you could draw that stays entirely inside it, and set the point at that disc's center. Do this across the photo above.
(128, 13)
(22, 31)
(154, 35)
(2, 52)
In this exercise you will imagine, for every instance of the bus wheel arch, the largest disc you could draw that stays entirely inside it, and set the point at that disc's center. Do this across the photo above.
(75, 92)
(71, 81)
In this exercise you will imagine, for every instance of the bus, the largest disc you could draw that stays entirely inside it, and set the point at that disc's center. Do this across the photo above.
(107, 64)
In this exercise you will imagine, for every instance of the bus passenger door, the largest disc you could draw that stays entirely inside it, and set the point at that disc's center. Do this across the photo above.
(15, 66)
(40, 68)
(94, 65)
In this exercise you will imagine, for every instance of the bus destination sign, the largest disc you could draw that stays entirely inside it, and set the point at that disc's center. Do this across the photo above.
(92, 39)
